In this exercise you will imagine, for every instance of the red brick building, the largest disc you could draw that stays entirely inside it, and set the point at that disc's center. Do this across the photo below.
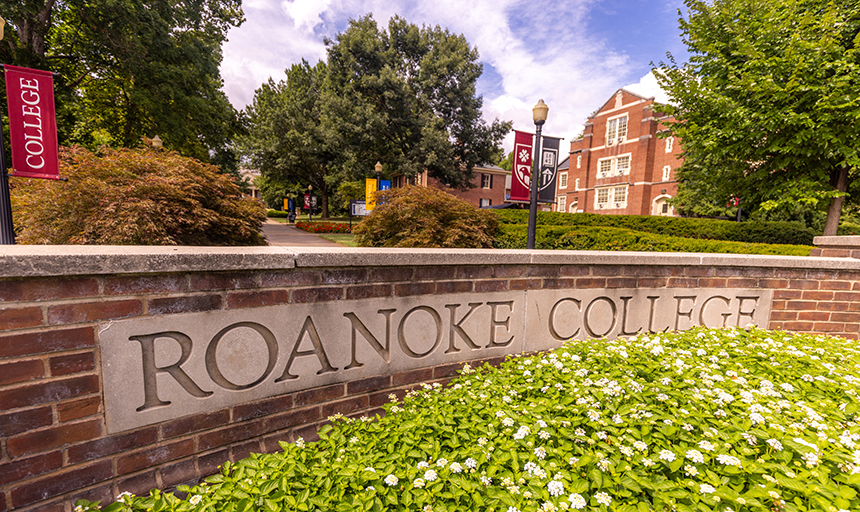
(490, 185)
(619, 166)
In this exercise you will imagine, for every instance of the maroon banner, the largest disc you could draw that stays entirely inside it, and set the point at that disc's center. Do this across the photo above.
(522, 170)
(32, 123)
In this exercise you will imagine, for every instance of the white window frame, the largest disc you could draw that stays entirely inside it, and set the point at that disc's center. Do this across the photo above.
(613, 129)
(488, 178)
(612, 170)
(576, 184)
(615, 198)
(562, 180)
(561, 203)
(485, 202)
(667, 172)
(669, 143)
(578, 161)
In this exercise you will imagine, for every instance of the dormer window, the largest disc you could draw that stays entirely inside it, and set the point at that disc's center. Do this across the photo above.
(616, 130)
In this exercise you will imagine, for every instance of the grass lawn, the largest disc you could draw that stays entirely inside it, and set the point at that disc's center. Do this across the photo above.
(341, 238)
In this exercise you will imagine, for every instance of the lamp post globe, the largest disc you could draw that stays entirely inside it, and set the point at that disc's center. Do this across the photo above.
(539, 113)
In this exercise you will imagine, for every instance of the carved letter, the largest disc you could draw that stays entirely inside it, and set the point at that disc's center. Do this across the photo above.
(624, 311)
(724, 315)
(679, 313)
(496, 323)
(588, 324)
(318, 351)
(357, 325)
(653, 299)
(401, 331)
(552, 329)
(746, 313)
(212, 361)
(150, 384)
(456, 327)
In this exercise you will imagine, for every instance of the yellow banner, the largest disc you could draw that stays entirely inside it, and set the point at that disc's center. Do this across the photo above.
(369, 194)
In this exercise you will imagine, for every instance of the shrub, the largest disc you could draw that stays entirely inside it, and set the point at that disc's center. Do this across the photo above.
(425, 217)
(324, 227)
(135, 196)
(588, 238)
(277, 214)
(752, 232)
(705, 420)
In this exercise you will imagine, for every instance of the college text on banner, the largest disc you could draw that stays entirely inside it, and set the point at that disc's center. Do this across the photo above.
(32, 123)
(522, 163)
(548, 169)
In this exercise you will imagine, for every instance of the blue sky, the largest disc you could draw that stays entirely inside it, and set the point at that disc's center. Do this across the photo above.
(572, 54)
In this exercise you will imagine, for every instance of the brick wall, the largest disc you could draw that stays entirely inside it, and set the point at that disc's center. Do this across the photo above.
(54, 447)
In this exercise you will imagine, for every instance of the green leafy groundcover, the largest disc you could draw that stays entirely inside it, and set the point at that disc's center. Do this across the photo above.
(705, 420)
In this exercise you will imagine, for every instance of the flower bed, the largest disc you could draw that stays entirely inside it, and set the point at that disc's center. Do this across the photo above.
(706, 420)
(324, 227)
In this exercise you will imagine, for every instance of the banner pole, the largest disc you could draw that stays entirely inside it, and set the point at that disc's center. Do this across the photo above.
(7, 228)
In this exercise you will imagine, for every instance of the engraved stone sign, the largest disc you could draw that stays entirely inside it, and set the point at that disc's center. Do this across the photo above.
(160, 368)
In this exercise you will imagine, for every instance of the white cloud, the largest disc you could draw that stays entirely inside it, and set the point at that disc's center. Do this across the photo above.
(647, 86)
(305, 13)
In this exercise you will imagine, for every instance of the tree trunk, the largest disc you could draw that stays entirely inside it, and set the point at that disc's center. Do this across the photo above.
(840, 182)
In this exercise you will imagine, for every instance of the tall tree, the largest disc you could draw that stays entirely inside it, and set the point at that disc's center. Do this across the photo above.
(767, 107)
(131, 68)
(287, 140)
(406, 96)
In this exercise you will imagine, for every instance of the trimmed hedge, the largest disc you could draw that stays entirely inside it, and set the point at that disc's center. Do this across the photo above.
(277, 214)
(752, 232)
(324, 227)
(599, 238)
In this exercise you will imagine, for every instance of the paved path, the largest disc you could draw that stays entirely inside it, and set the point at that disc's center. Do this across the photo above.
(287, 235)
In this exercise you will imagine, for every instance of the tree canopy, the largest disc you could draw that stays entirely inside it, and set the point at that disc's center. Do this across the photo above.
(767, 106)
(131, 68)
(405, 97)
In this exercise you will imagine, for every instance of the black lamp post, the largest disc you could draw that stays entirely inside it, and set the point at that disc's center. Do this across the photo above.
(310, 202)
(539, 115)
(378, 169)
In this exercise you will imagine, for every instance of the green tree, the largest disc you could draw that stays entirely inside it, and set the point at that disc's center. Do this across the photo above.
(137, 196)
(406, 97)
(287, 140)
(767, 107)
(131, 68)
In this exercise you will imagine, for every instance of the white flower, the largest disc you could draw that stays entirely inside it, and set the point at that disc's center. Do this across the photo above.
(442, 462)
(706, 445)
(543, 434)
(555, 488)
(522, 432)
(576, 501)
(639, 445)
(391, 480)
(706, 489)
(540, 452)
(423, 464)
(123, 495)
(456, 467)
(508, 422)
(626, 451)
(195, 500)
(695, 456)
(776, 445)
(430, 475)
(667, 455)
(603, 498)
(486, 480)
(370, 469)
(690, 470)
(471, 463)
(513, 509)
(370, 488)
(482, 441)
(647, 463)
(728, 460)
(419, 483)
(300, 442)
(593, 415)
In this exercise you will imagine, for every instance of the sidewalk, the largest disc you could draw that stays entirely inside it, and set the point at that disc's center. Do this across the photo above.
(277, 233)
